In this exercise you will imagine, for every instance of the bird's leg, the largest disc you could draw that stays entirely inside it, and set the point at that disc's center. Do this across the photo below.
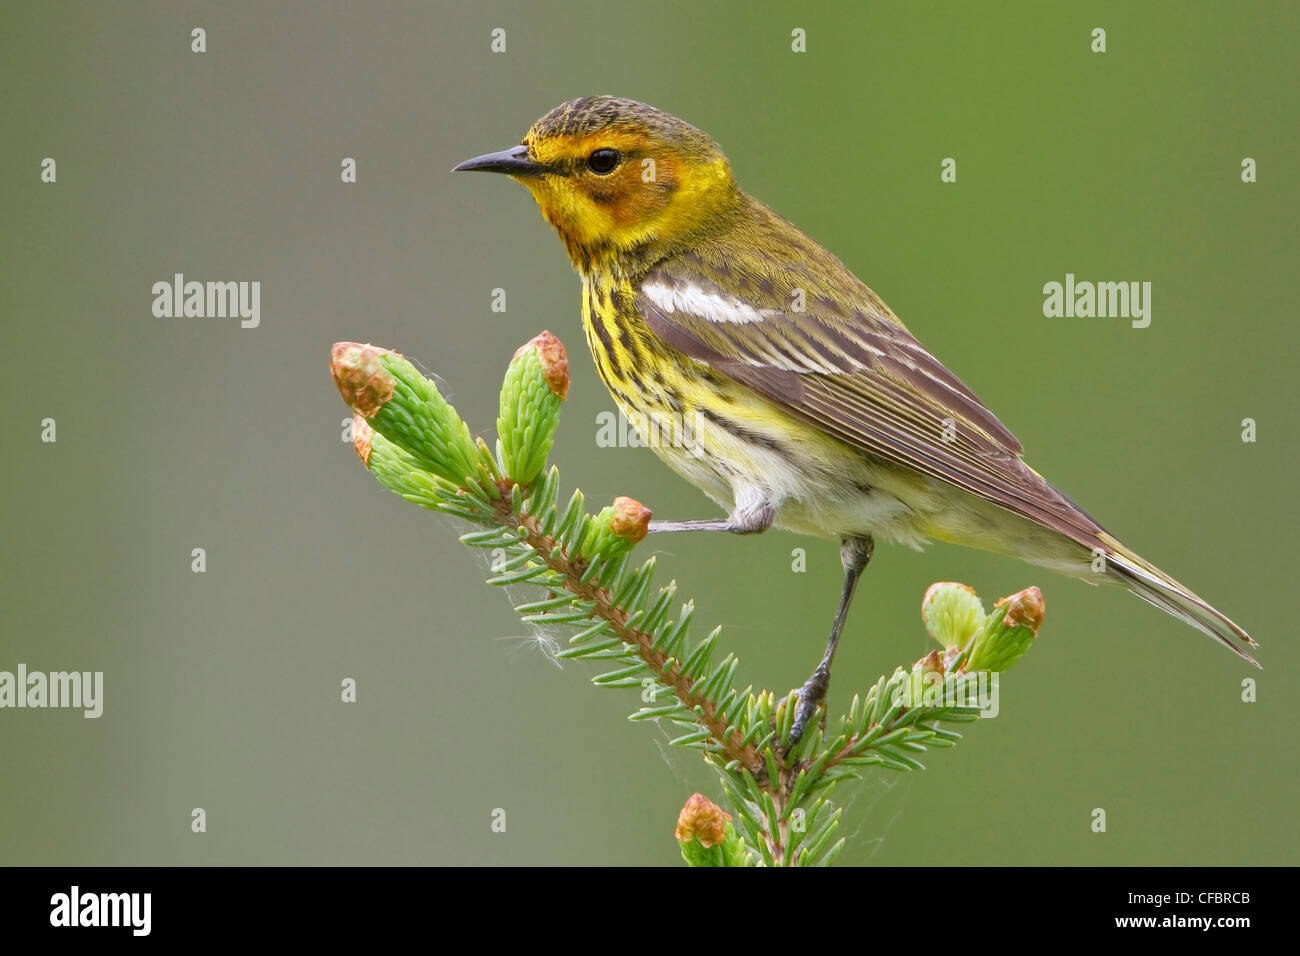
(745, 518)
(854, 555)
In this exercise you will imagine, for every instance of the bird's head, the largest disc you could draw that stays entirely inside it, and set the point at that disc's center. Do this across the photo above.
(619, 180)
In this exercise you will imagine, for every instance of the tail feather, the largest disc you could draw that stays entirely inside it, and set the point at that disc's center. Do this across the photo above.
(1157, 588)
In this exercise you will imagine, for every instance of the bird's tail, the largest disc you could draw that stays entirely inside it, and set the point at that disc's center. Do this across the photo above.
(1155, 587)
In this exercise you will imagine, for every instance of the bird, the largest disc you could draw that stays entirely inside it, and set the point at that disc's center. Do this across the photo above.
(795, 397)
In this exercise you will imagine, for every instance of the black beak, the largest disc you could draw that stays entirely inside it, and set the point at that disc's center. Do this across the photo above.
(513, 161)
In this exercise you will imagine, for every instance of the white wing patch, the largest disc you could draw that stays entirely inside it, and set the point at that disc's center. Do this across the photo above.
(711, 306)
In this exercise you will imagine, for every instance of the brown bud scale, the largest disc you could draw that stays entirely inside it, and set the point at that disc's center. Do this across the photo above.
(360, 377)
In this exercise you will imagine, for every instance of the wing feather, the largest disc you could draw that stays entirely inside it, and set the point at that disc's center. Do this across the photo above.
(848, 366)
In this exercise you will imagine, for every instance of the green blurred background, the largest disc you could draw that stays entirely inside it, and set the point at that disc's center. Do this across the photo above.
(222, 688)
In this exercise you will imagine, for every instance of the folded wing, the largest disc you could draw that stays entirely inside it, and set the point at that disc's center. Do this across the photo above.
(847, 365)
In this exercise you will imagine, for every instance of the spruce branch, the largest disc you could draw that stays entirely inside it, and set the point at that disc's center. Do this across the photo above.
(578, 564)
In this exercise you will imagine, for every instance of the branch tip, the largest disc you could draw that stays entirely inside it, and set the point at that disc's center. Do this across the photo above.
(362, 438)
(702, 820)
(554, 359)
(360, 377)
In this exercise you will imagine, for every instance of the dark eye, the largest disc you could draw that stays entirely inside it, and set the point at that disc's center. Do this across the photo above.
(603, 161)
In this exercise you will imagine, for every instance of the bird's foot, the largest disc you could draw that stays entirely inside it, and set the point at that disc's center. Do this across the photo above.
(811, 696)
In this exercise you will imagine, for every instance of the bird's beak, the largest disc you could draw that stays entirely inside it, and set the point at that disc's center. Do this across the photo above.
(513, 161)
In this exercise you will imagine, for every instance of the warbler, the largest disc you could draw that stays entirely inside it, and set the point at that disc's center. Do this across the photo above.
(812, 407)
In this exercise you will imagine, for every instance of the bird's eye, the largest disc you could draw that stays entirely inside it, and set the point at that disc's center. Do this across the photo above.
(603, 161)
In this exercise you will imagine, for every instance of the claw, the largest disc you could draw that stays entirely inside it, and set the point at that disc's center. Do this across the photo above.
(811, 697)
